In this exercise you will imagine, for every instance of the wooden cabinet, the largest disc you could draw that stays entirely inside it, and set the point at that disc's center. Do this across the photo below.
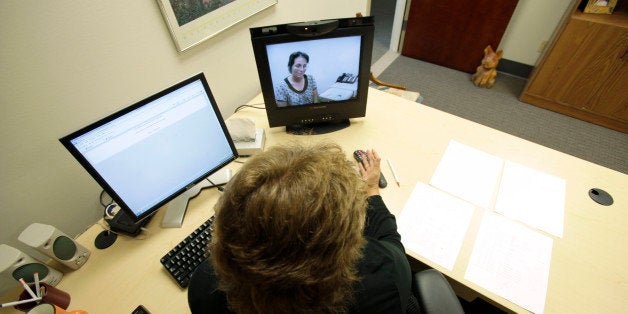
(584, 73)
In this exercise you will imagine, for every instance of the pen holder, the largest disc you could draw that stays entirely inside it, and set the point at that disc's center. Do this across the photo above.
(49, 294)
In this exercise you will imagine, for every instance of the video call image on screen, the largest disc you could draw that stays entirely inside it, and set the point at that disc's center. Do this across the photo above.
(332, 70)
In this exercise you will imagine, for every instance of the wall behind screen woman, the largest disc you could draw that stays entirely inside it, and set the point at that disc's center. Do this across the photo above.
(329, 58)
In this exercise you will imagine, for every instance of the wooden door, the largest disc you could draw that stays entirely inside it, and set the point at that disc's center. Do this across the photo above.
(454, 33)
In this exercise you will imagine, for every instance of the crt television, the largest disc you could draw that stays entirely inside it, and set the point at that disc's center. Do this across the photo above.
(150, 152)
(337, 57)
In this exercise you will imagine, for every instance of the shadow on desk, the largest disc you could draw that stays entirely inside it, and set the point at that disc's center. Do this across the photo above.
(475, 306)
(478, 305)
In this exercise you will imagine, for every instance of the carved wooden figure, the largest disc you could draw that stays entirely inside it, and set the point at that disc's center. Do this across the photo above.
(486, 73)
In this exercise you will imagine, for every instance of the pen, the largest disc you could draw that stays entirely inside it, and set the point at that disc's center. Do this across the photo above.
(37, 289)
(393, 172)
(19, 302)
(28, 289)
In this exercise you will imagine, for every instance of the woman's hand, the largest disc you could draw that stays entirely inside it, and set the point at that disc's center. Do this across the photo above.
(370, 169)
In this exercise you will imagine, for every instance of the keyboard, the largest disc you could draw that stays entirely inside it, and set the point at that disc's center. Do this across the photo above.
(183, 259)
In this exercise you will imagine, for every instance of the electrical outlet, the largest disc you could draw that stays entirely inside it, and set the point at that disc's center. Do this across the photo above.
(542, 46)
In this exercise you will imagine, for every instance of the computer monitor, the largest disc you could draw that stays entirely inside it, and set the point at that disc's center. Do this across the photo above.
(314, 75)
(150, 152)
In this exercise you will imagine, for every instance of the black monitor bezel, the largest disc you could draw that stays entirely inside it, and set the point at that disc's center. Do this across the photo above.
(327, 112)
(66, 141)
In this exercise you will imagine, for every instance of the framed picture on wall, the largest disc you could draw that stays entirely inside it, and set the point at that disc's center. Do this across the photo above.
(193, 21)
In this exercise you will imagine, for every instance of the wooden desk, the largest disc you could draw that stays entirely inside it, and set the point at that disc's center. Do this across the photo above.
(588, 271)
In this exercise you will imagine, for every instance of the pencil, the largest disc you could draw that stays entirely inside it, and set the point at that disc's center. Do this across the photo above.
(27, 288)
(394, 172)
(19, 302)
(37, 289)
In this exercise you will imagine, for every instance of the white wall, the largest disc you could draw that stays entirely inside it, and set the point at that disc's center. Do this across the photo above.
(532, 23)
(64, 64)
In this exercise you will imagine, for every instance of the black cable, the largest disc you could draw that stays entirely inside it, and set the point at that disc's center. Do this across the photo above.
(101, 201)
(220, 188)
(252, 106)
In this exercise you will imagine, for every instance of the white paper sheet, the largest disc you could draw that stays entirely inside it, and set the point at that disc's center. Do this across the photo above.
(468, 173)
(532, 197)
(511, 261)
(434, 223)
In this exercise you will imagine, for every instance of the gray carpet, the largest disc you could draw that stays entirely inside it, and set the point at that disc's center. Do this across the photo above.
(499, 108)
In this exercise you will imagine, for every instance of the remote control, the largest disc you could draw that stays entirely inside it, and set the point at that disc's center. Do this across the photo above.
(358, 156)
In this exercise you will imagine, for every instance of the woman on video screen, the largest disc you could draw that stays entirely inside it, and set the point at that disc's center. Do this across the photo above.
(297, 88)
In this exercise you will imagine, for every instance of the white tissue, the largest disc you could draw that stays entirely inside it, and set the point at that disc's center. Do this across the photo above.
(241, 129)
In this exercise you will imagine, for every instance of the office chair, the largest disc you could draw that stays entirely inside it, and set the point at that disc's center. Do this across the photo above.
(434, 294)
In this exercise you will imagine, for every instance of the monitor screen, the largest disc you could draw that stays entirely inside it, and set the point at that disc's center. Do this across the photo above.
(147, 154)
(314, 75)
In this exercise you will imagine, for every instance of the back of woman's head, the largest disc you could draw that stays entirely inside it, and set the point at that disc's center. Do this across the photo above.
(288, 231)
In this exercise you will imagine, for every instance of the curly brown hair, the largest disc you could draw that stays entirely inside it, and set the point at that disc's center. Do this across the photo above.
(288, 231)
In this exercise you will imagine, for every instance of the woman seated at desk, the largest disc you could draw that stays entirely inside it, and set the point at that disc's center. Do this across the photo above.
(298, 88)
(297, 230)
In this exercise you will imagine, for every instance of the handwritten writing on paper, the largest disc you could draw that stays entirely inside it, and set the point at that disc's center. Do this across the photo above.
(468, 173)
(532, 197)
(511, 261)
(434, 223)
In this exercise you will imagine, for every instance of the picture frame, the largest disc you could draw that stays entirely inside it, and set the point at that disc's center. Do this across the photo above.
(192, 22)
(600, 6)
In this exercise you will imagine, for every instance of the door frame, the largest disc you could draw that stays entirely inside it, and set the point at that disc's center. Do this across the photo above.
(395, 36)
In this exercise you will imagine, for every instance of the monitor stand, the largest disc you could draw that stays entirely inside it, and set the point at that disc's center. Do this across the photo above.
(317, 128)
(175, 211)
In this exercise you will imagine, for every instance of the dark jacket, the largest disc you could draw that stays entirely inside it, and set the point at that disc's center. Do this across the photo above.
(385, 272)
